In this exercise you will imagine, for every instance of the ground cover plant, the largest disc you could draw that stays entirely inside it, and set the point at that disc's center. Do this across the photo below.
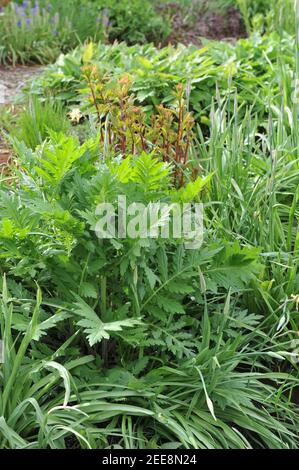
(252, 68)
(139, 342)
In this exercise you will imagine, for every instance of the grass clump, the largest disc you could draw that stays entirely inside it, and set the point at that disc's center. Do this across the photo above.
(32, 125)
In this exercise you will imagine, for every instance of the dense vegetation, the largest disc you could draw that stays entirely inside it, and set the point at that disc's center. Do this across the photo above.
(143, 343)
(36, 31)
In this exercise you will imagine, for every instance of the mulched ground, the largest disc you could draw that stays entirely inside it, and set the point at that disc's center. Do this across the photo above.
(210, 25)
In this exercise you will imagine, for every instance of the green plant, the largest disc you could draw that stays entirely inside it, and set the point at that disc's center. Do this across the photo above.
(33, 124)
(27, 38)
(30, 414)
(157, 345)
(268, 16)
(165, 292)
(38, 30)
(134, 21)
(251, 68)
(206, 403)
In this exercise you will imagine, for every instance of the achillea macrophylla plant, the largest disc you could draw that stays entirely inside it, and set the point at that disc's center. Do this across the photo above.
(126, 128)
(125, 293)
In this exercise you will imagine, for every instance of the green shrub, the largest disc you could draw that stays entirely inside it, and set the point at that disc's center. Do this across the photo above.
(134, 21)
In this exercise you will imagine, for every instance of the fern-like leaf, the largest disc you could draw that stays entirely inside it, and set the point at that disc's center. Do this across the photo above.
(93, 326)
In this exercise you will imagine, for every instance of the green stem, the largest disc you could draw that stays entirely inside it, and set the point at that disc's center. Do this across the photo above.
(103, 317)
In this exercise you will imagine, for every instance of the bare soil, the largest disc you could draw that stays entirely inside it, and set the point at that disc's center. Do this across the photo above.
(13, 79)
(210, 25)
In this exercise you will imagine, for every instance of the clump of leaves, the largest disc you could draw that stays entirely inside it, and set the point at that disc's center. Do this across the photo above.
(125, 128)
(48, 234)
(250, 69)
(134, 21)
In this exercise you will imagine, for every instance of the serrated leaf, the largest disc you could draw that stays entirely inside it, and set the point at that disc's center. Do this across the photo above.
(93, 326)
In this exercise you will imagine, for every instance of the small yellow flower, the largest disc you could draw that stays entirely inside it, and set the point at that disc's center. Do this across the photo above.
(75, 115)
(295, 298)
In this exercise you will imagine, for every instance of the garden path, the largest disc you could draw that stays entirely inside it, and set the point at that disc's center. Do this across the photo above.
(12, 80)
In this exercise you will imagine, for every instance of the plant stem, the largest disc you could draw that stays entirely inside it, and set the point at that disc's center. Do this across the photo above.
(103, 318)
